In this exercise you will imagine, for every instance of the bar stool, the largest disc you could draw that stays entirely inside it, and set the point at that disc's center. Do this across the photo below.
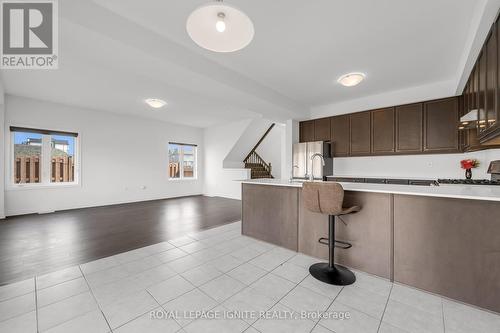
(327, 198)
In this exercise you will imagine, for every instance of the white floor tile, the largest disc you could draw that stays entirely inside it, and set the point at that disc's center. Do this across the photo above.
(363, 300)
(412, 319)
(249, 302)
(60, 276)
(185, 263)
(170, 289)
(90, 322)
(357, 322)
(247, 253)
(57, 313)
(272, 286)
(99, 265)
(129, 256)
(222, 288)
(303, 299)
(195, 300)
(114, 291)
(225, 263)
(207, 255)
(247, 273)
(461, 318)
(282, 320)
(386, 328)
(106, 276)
(193, 247)
(158, 248)
(148, 324)
(320, 329)
(320, 287)
(372, 283)
(417, 299)
(17, 289)
(153, 276)
(61, 291)
(218, 325)
(25, 323)
(128, 308)
(170, 255)
(17, 306)
(272, 259)
(201, 274)
(141, 265)
(178, 242)
(291, 272)
(303, 260)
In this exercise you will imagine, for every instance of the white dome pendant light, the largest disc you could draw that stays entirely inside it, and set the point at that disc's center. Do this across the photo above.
(220, 28)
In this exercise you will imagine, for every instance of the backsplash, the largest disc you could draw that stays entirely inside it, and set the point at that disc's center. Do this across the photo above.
(411, 166)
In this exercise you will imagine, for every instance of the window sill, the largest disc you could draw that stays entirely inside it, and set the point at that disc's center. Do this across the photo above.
(16, 187)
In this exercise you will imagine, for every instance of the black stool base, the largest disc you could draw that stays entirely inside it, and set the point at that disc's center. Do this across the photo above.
(339, 275)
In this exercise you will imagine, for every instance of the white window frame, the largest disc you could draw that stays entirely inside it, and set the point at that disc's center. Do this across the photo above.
(181, 161)
(46, 166)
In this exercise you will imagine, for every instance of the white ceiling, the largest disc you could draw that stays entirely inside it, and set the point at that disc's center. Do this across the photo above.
(115, 53)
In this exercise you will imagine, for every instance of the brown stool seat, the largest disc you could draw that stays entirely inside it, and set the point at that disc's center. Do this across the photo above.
(328, 198)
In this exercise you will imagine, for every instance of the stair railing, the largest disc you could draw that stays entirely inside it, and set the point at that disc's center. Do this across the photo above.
(255, 158)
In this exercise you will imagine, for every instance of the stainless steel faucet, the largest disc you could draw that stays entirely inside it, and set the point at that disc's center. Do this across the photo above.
(311, 176)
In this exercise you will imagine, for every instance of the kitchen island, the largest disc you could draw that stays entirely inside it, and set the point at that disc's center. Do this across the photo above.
(443, 239)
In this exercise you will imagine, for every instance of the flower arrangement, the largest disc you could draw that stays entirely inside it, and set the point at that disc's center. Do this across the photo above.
(469, 164)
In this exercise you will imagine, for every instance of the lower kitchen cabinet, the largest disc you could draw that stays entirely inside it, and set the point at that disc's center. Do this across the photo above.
(449, 247)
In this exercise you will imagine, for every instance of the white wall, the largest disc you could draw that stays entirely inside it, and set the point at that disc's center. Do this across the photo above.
(396, 97)
(218, 142)
(119, 155)
(411, 166)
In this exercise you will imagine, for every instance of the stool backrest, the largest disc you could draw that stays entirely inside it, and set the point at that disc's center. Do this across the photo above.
(324, 198)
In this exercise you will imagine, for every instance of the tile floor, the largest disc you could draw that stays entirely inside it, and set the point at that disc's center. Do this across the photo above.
(218, 272)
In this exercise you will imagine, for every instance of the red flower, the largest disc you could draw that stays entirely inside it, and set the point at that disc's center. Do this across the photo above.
(469, 164)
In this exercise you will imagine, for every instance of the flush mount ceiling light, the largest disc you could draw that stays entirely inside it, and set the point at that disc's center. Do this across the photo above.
(351, 79)
(220, 28)
(155, 103)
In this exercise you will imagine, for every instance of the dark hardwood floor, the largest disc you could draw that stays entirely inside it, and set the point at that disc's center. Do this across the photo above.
(37, 244)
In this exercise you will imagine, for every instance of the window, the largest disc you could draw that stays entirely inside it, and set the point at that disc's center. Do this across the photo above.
(181, 161)
(43, 156)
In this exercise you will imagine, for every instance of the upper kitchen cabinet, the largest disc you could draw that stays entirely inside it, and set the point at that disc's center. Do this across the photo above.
(481, 101)
(409, 128)
(360, 134)
(340, 135)
(441, 118)
(322, 129)
(383, 131)
(491, 128)
(306, 131)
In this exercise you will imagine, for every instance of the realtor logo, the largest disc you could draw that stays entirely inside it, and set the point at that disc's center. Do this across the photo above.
(29, 34)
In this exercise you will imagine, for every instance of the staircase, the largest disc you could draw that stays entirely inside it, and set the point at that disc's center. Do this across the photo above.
(259, 167)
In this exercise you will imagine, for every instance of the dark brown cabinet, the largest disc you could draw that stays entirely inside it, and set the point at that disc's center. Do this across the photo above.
(481, 101)
(383, 131)
(322, 129)
(306, 131)
(340, 135)
(409, 128)
(360, 134)
(441, 123)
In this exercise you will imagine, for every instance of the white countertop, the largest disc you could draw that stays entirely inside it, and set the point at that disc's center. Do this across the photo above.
(473, 192)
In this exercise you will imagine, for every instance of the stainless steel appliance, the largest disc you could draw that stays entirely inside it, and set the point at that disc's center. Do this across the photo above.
(304, 165)
(494, 171)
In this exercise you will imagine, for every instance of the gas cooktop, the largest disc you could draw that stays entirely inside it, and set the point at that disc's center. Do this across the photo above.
(469, 181)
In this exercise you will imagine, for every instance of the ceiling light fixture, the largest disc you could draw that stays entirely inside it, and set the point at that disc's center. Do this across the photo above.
(155, 103)
(219, 27)
(351, 79)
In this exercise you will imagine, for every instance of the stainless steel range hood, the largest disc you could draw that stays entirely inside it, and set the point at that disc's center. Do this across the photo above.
(469, 120)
